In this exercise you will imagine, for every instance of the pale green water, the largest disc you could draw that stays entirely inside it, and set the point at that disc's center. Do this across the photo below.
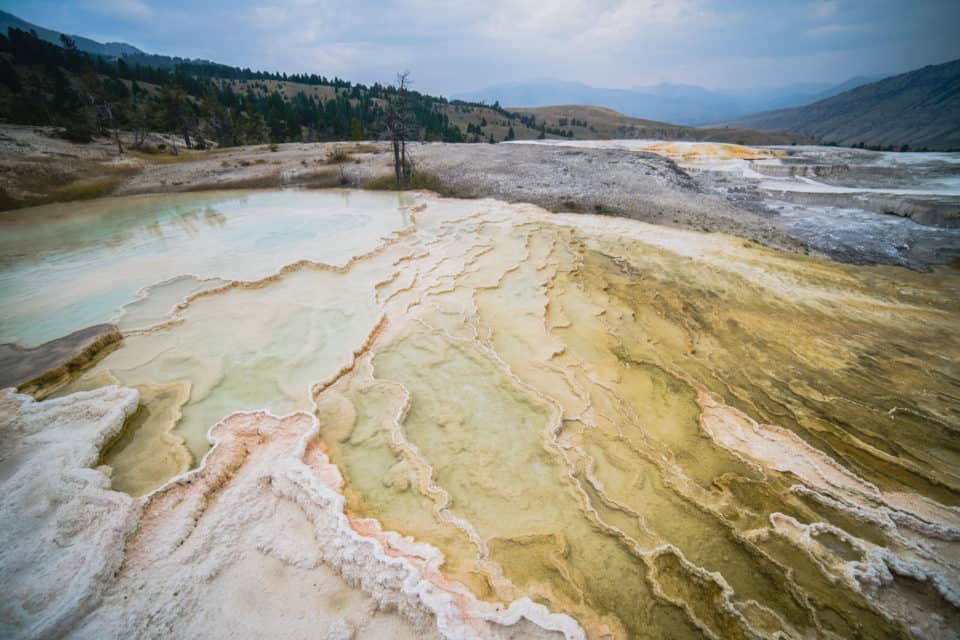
(68, 266)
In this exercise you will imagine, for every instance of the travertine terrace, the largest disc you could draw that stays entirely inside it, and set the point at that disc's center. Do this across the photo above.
(485, 420)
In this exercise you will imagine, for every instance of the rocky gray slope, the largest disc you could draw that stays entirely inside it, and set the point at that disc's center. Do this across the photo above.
(638, 185)
(863, 207)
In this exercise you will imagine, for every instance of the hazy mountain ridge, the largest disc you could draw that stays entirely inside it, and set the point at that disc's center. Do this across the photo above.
(228, 105)
(110, 49)
(682, 104)
(587, 122)
(130, 54)
(919, 108)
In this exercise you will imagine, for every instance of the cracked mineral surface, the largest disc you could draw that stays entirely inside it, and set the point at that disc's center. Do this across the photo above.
(467, 418)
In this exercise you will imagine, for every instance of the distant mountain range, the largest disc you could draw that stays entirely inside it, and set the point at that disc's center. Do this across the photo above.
(681, 104)
(919, 108)
(106, 49)
(275, 107)
(131, 54)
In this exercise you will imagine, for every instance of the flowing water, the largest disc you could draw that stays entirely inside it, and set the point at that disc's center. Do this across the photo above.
(660, 433)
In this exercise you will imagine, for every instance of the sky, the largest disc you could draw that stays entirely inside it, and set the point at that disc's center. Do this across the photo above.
(452, 47)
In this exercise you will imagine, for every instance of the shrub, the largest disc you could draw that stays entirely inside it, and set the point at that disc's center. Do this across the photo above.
(85, 189)
(8, 202)
(420, 181)
(338, 155)
(79, 132)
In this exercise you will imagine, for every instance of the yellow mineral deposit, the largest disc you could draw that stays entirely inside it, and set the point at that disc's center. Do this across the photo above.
(659, 433)
(699, 151)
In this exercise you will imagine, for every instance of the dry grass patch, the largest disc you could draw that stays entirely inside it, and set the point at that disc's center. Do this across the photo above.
(338, 155)
(164, 157)
(419, 181)
(322, 178)
(267, 181)
(37, 183)
(367, 147)
(85, 189)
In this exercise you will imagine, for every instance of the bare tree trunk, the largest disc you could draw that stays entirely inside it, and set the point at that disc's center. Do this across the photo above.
(403, 80)
(396, 122)
(116, 129)
(396, 159)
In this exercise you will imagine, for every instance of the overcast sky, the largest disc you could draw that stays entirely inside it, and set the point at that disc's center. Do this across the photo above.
(459, 46)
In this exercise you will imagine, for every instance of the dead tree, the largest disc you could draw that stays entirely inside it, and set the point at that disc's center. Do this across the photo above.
(138, 123)
(105, 116)
(178, 115)
(399, 126)
(102, 106)
(338, 156)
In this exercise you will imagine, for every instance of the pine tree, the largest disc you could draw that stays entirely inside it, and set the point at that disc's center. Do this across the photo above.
(356, 131)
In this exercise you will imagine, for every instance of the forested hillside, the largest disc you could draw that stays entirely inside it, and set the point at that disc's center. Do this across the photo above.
(206, 103)
(45, 84)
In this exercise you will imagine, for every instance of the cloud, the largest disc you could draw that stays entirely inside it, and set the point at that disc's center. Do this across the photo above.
(824, 10)
(528, 24)
(829, 30)
(136, 10)
(457, 47)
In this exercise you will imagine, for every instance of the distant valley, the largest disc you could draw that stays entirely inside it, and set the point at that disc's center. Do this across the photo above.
(680, 104)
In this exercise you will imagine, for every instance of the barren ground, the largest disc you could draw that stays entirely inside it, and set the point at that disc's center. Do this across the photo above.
(36, 167)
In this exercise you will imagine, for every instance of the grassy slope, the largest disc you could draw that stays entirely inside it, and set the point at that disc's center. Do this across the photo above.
(609, 124)
(460, 115)
(920, 108)
(602, 123)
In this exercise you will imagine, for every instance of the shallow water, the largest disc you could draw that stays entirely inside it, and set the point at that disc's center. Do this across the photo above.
(71, 265)
(661, 433)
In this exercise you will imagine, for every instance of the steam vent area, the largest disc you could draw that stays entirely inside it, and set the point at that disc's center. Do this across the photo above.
(356, 414)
